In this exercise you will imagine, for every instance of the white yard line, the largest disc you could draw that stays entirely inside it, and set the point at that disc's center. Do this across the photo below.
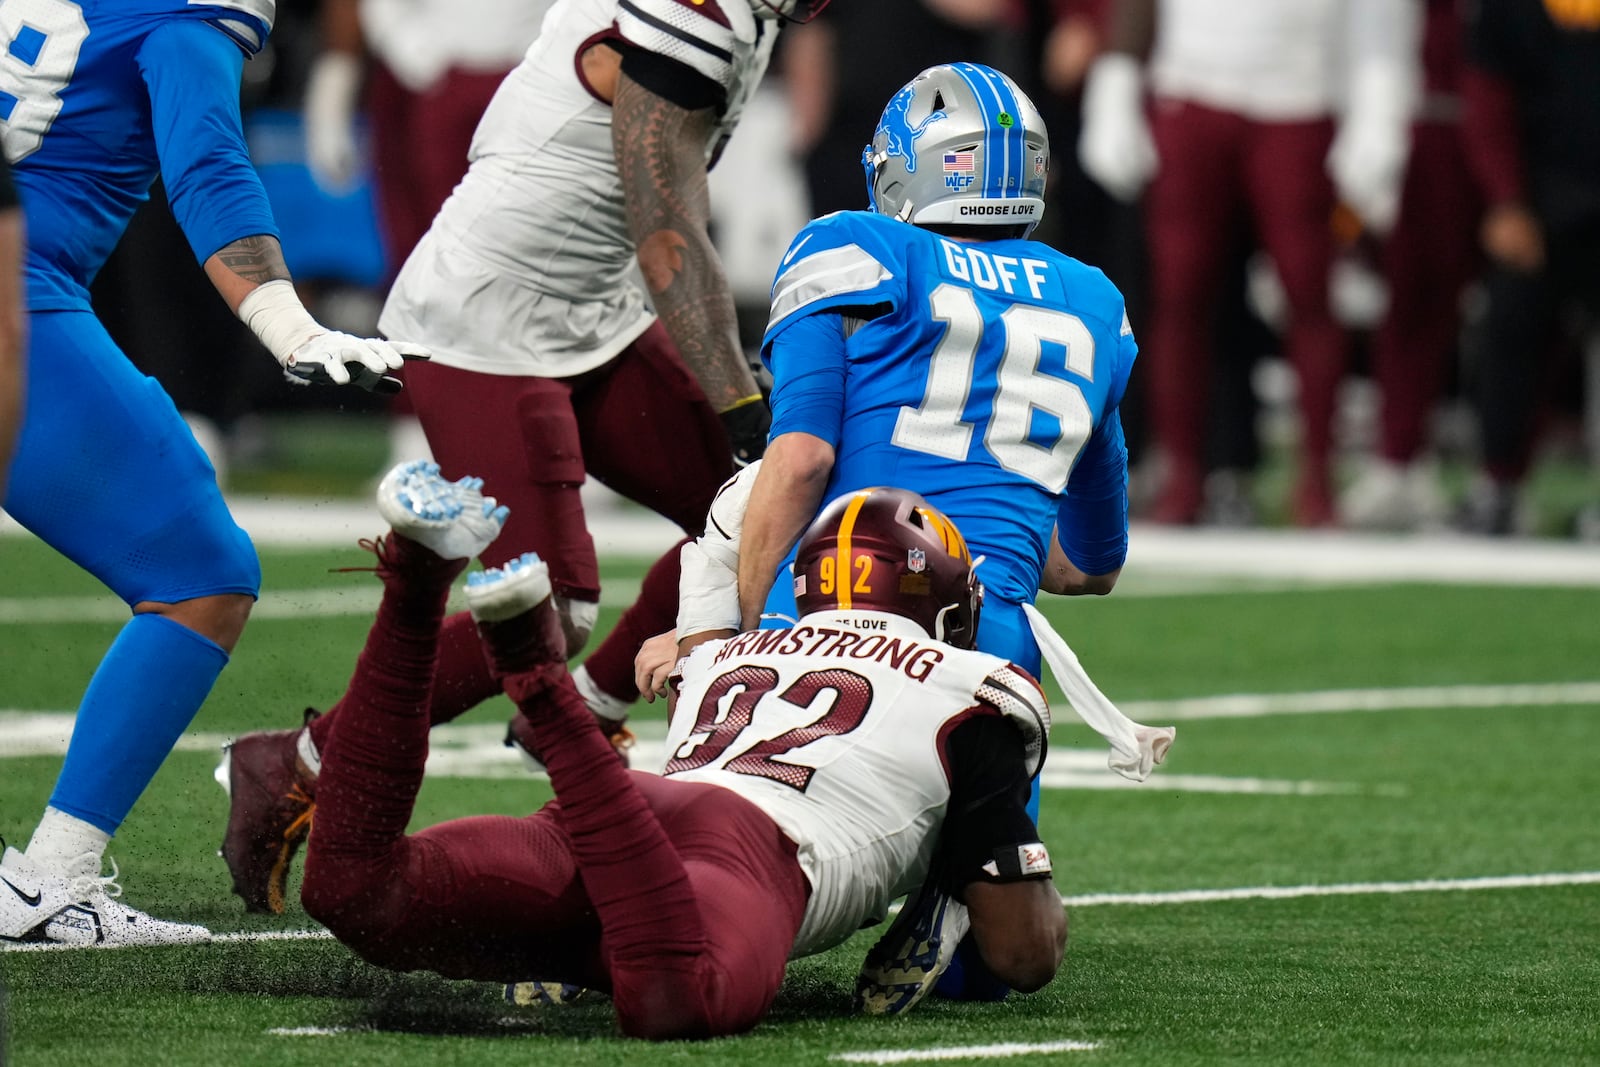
(236, 937)
(1295, 556)
(1096, 900)
(964, 1052)
(1317, 702)
(1346, 889)
(314, 1031)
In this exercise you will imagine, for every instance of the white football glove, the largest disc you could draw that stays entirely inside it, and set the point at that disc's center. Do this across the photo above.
(312, 354)
(1367, 161)
(1115, 147)
(334, 358)
(333, 89)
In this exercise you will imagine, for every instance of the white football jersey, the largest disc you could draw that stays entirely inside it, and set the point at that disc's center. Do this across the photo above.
(836, 729)
(420, 40)
(527, 269)
(1268, 59)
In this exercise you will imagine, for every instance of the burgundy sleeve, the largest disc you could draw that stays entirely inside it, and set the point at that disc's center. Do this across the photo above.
(1489, 132)
(1489, 103)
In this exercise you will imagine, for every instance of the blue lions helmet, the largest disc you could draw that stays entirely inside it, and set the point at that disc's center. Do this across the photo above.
(959, 145)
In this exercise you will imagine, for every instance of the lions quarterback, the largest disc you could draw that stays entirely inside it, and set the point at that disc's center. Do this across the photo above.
(927, 342)
(97, 98)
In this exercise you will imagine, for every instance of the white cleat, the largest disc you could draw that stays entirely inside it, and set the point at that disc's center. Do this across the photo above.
(911, 955)
(500, 593)
(1394, 498)
(452, 519)
(42, 905)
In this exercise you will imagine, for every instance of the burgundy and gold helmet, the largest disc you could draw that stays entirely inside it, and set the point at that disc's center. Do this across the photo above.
(885, 549)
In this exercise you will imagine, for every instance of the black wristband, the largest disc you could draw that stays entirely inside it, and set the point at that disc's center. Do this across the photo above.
(747, 427)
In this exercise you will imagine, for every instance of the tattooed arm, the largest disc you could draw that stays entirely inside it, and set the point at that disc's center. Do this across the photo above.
(660, 149)
(238, 268)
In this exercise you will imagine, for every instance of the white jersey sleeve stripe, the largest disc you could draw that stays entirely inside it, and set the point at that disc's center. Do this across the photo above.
(1020, 699)
(849, 269)
(679, 33)
(265, 10)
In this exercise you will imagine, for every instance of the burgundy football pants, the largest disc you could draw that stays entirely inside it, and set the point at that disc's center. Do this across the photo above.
(680, 899)
(419, 148)
(640, 424)
(1219, 169)
(1427, 261)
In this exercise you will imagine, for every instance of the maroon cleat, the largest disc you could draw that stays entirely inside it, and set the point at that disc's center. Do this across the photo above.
(270, 803)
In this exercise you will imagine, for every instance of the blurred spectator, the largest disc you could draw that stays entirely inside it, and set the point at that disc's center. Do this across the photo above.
(1089, 224)
(1532, 127)
(434, 66)
(842, 66)
(1427, 262)
(1246, 93)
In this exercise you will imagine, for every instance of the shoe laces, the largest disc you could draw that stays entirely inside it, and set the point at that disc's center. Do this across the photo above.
(85, 886)
(377, 546)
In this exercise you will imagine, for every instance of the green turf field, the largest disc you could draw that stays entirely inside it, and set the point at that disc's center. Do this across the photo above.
(1467, 789)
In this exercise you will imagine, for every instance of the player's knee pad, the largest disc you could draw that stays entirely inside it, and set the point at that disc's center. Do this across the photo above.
(577, 620)
(550, 436)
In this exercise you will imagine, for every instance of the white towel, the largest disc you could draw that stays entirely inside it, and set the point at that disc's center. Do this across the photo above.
(1135, 748)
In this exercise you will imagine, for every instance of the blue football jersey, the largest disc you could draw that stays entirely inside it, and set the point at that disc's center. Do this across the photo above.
(98, 97)
(976, 373)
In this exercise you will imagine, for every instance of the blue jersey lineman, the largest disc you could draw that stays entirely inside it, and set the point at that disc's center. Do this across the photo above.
(97, 98)
(927, 344)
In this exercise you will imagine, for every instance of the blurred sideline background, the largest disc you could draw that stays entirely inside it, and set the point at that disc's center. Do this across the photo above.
(795, 155)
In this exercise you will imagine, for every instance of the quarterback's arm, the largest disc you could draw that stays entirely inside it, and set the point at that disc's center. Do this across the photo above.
(660, 147)
(992, 859)
(1064, 578)
(786, 497)
(807, 356)
(1091, 538)
(13, 324)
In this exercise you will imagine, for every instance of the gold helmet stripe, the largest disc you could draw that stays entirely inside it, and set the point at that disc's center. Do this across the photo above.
(847, 525)
(954, 543)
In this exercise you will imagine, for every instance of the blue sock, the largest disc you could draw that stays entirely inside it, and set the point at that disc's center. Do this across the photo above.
(145, 693)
